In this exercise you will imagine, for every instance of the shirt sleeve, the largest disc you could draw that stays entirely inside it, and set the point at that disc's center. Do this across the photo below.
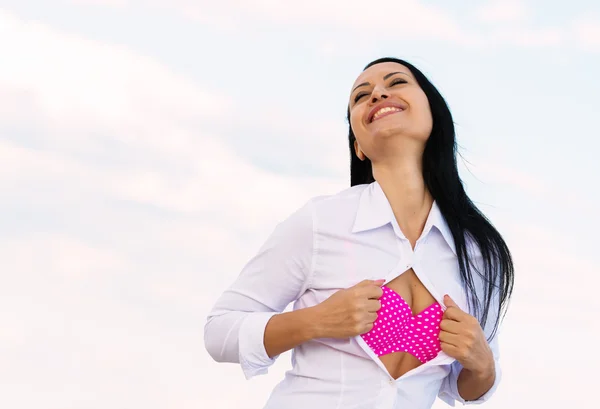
(276, 276)
(449, 390)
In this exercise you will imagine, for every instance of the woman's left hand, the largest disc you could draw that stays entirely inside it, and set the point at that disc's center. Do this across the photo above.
(462, 338)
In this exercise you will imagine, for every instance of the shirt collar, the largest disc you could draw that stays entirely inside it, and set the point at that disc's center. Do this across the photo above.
(374, 211)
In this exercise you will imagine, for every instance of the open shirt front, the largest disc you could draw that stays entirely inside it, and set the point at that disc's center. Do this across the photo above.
(332, 243)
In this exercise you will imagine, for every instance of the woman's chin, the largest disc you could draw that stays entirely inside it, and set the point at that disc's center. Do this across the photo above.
(388, 132)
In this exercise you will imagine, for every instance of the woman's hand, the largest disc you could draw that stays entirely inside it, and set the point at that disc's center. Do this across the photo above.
(462, 338)
(349, 312)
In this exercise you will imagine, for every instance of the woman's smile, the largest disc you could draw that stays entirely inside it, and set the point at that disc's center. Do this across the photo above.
(385, 112)
(384, 109)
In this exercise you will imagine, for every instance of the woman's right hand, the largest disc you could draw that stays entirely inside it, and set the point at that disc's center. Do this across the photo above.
(349, 312)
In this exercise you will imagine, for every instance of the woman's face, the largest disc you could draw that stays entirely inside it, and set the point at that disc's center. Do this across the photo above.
(388, 106)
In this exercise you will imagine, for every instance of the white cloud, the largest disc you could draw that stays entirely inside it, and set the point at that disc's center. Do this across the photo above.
(586, 32)
(56, 252)
(493, 172)
(123, 208)
(84, 93)
(525, 37)
(107, 3)
(544, 310)
(509, 23)
(74, 82)
(407, 18)
(505, 22)
(392, 18)
(503, 11)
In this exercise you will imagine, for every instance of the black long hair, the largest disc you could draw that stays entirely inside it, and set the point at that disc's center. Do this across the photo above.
(440, 172)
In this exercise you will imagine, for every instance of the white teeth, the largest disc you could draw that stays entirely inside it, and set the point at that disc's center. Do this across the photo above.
(385, 111)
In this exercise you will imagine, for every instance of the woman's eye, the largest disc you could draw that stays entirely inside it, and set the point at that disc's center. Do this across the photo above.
(398, 81)
(359, 96)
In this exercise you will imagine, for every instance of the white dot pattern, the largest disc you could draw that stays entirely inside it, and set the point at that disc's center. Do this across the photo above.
(418, 335)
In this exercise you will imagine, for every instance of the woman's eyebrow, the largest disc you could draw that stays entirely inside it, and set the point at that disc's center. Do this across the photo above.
(385, 78)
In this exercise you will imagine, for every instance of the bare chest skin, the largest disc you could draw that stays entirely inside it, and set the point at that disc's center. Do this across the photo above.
(418, 297)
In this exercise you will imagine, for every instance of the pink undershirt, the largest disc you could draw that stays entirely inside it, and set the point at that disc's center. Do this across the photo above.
(397, 330)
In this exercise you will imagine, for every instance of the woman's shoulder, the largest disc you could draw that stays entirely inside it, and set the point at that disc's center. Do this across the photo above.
(346, 196)
(337, 208)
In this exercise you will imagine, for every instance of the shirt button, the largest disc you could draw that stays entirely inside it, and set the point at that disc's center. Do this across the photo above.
(391, 382)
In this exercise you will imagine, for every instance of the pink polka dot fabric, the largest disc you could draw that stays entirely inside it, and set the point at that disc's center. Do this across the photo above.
(397, 330)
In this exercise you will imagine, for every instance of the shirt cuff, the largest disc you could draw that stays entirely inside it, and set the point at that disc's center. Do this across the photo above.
(253, 356)
(451, 395)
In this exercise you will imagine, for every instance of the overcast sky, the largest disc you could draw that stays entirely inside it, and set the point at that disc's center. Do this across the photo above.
(147, 149)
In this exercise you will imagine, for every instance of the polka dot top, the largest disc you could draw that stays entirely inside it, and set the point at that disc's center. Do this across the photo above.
(397, 330)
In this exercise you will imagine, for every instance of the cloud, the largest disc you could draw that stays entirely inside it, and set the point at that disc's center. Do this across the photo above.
(95, 123)
(510, 23)
(503, 11)
(120, 4)
(82, 98)
(74, 82)
(60, 253)
(527, 37)
(544, 259)
(493, 172)
(125, 211)
(117, 190)
(402, 19)
(498, 23)
(586, 33)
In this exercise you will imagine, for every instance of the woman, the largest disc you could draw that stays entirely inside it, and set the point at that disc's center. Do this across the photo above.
(398, 282)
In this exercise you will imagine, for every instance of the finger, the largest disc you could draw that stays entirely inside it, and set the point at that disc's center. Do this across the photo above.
(369, 283)
(449, 338)
(453, 313)
(368, 327)
(364, 283)
(450, 349)
(450, 326)
(372, 317)
(373, 292)
(373, 305)
(449, 302)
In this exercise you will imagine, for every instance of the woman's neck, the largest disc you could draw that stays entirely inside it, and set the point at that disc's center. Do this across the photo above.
(409, 198)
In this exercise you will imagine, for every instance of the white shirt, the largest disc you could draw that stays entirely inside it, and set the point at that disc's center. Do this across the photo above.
(329, 244)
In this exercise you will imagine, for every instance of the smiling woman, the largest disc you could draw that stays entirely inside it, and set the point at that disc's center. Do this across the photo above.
(398, 283)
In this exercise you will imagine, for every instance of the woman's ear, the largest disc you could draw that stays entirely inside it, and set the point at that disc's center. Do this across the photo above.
(360, 154)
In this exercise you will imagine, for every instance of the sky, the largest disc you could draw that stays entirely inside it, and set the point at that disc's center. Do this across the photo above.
(148, 148)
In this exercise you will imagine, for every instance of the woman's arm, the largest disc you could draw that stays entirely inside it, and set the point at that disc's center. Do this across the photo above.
(288, 330)
(473, 385)
(470, 387)
(345, 314)
(275, 277)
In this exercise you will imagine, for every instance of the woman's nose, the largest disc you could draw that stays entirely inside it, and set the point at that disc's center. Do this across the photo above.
(378, 94)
